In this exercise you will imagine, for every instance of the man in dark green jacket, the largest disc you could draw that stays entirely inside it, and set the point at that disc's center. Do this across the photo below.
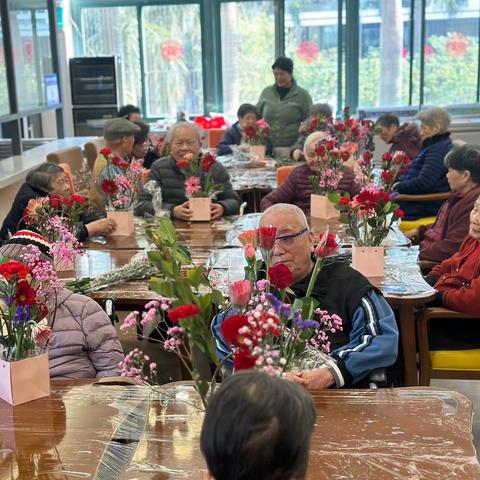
(184, 140)
(284, 105)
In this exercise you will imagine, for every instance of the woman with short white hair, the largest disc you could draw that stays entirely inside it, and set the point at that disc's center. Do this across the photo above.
(298, 188)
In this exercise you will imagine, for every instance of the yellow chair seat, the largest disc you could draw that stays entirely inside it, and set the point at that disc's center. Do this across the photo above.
(455, 359)
(406, 225)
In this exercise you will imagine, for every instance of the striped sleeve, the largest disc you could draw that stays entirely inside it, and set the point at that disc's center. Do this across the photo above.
(373, 342)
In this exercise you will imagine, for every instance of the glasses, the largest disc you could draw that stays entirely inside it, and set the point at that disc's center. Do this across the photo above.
(187, 143)
(289, 239)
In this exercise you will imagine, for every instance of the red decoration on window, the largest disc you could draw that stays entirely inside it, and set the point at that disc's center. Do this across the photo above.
(457, 45)
(28, 50)
(171, 50)
(308, 51)
(429, 50)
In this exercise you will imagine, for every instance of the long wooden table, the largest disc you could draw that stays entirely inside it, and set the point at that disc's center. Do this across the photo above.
(128, 432)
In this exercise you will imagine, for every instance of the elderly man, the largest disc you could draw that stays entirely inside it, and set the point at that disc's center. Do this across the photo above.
(184, 141)
(427, 174)
(369, 339)
(119, 138)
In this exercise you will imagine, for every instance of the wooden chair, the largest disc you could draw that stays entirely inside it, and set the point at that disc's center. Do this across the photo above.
(406, 225)
(283, 173)
(72, 156)
(457, 364)
(91, 150)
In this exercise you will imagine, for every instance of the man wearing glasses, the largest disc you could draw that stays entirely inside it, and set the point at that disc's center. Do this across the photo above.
(185, 143)
(369, 339)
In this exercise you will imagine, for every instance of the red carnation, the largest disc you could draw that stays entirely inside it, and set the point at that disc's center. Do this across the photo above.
(109, 187)
(335, 153)
(116, 160)
(266, 237)
(340, 127)
(355, 131)
(105, 151)
(250, 132)
(344, 200)
(183, 312)
(280, 276)
(313, 123)
(330, 143)
(327, 246)
(387, 176)
(399, 213)
(231, 326)
(367, 156)
(67, 201)
(54, 201)
(183, 164)
(320, 150)
(25, 294)
(387, 157)
(349, 122)
(10, 269)
(78, 199)
(243, 360)
(207, 162)
(345, 154)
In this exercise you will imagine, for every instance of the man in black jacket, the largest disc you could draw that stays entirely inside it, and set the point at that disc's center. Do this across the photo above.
(185, 142)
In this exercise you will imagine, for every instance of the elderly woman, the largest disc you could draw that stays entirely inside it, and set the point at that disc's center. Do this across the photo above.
(143, 150)
(457, 280)
(318, 112)
(44, 180)
(442, 239)
(284, 105)
(297, 188)
(427, 173)
(184, 140)
(84, 343)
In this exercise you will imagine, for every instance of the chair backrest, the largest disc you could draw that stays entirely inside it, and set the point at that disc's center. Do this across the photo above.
(72, 156)
(91, 150)
(68, 173)
(283, 173)
(214, 137)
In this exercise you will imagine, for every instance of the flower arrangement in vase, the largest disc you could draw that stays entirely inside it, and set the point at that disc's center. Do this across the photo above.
(25, 291)
(369, 216)
(199, 185)
(121, 182)
(182, 314)
(326, 180)
(393, 165)
(255, 137)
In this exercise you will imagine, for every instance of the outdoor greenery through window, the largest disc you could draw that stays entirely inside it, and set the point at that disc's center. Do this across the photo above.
(311, 40)
(248, 51)
(4, 103)
(32, 53)
(114, 31)
(172, 60)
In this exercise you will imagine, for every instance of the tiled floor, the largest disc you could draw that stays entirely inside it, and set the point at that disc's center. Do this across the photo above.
(471, 389)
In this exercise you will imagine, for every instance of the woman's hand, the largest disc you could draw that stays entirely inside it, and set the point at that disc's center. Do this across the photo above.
(182, 212)
(104, 226)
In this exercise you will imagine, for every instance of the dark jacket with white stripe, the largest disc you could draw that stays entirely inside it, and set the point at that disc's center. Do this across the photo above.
(369, 339)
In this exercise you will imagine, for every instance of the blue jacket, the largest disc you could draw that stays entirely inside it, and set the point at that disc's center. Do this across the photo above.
(373, 341)
(233, 136)
(427, 174)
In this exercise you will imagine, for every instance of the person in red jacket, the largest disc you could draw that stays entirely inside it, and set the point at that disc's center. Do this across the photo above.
(457, 280)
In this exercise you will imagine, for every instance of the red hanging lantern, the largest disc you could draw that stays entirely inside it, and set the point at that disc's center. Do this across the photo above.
(308, 51)
(171, 50)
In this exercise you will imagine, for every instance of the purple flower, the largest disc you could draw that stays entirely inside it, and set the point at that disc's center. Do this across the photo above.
(22, 315)
(275, 302)
(393, 195)
(304, 324)
(285, 310)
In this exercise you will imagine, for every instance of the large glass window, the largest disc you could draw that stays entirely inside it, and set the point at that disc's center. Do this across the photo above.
(451, 52)
(172, 59)
(4, 103)
(248, 51)
(114, 31)
(311, 40)
(31, 50)
(385, 51)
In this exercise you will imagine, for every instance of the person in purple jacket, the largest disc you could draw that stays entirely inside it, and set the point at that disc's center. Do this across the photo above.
(297, 188)
(84, 343)
(442, 239)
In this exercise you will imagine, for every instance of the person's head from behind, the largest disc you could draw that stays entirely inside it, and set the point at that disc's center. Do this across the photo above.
(258, 427)
(294, 243)
(130, 112)
(322, 110)
(387, 126)
(433, 121)
(119, 134)
(283, 72)
(311, 157)
(140, 142)
(48, 178)
(184, 140)
(247, 115)
(463, 163)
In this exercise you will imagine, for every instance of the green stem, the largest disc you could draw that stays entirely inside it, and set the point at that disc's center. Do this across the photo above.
(313, 278)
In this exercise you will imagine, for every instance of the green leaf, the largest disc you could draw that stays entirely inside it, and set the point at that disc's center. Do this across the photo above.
(183, 255)
(217, 297)
(162, 287)
(166, 230)
(203, 387)
(334, 197)
(154, 256)
(194, 275)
